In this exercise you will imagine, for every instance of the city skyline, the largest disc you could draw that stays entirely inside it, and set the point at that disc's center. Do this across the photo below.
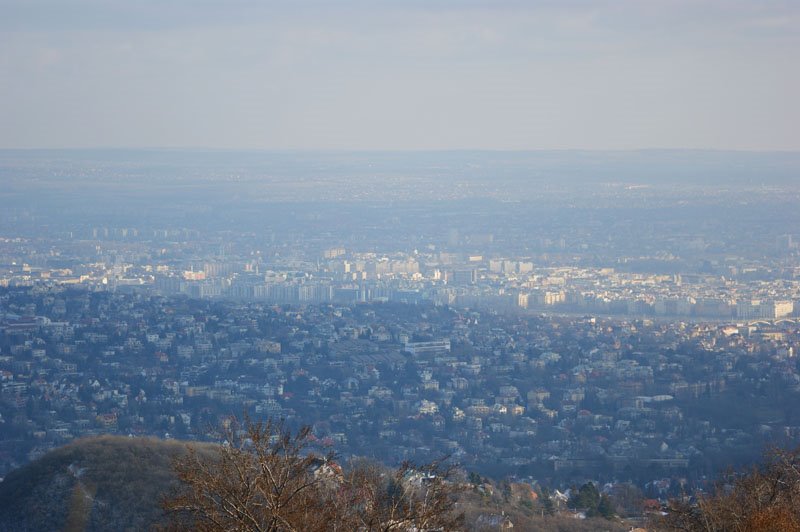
(540, 258)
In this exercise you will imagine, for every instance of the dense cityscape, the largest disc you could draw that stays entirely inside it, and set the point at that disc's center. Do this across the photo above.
(548, 398)
(444, 266)
(608, 344)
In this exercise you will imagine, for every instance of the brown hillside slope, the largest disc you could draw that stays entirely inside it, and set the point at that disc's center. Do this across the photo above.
(104, 483)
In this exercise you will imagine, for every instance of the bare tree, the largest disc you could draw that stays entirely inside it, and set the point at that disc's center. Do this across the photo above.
(259, 481)
(407, 498)
(264, 479)
(767, 498)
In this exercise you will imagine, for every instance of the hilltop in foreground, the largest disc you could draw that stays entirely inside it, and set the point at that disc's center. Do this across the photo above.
(117, 483)
(105, 483)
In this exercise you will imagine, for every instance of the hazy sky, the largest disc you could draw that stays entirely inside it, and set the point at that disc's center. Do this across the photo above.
(400, 75)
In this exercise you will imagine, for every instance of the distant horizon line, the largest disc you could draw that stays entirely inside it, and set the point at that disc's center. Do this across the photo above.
(387, 150)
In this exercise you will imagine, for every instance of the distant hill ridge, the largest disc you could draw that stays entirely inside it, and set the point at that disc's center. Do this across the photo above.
(103, 483)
